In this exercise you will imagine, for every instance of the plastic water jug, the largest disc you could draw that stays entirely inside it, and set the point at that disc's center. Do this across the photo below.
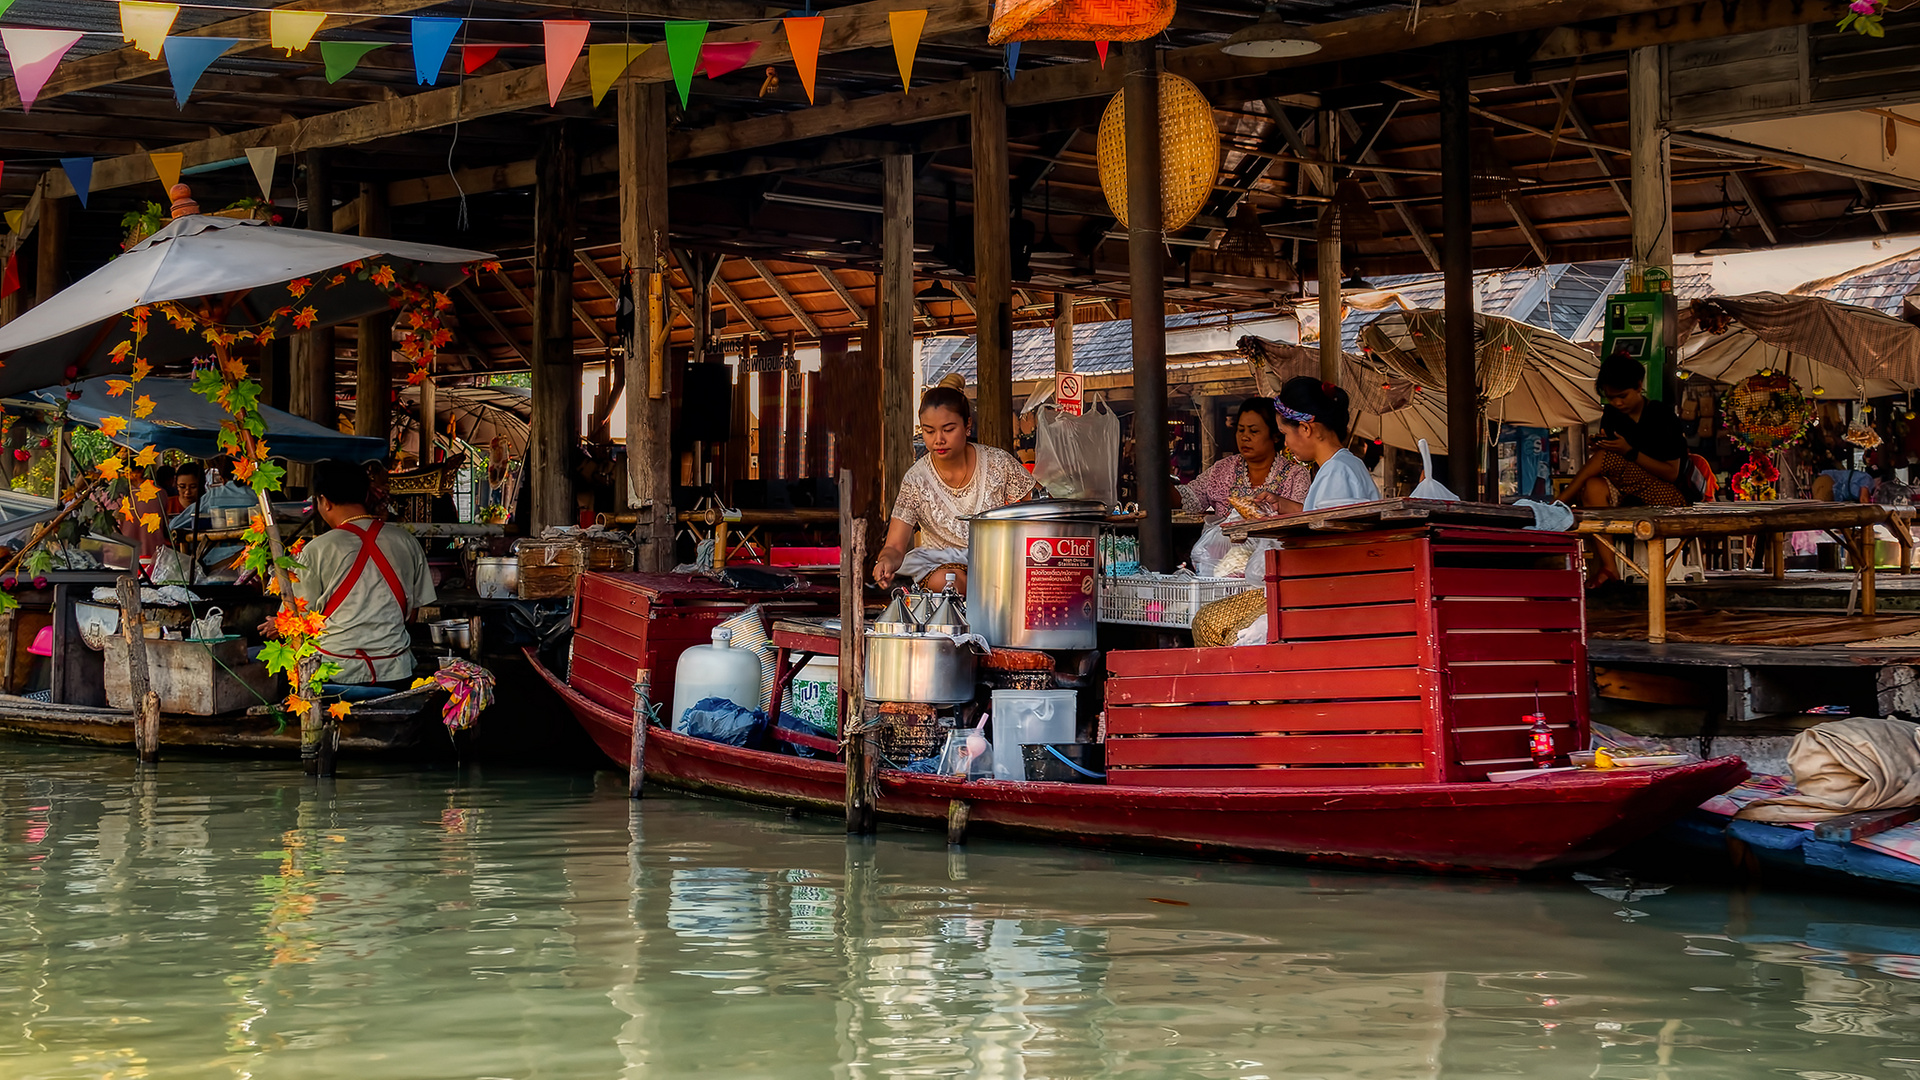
(716, 670)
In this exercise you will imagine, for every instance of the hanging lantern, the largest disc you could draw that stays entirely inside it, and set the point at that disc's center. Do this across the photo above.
(1078, 20)
(1189, 153)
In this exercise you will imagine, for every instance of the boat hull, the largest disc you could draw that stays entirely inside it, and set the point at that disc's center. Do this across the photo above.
(1558, 819)
(364, 730)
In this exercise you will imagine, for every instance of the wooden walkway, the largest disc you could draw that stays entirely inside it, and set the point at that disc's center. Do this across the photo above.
(1780, 629)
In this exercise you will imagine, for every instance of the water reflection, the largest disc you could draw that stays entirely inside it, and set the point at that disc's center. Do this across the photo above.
(223, 919)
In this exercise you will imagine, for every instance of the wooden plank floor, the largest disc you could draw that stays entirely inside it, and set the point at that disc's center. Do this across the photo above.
(1753, 627)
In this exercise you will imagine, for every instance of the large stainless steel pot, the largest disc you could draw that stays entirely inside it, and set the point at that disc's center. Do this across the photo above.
(1031, 569)
(924, 668)
(496, 577)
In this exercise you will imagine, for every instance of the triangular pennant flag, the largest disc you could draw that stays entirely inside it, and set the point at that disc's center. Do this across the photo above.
(262, 159)
(683, 54)
(722, 57)
(1101, 48)
(1013, 58)
(475, 57)
(432, 36)
(79, 172)
(146, 24)
(34, 54)
(803, 40)
(606, 63)
(187, 60)
(10, 281)
(167, 167)
(565, 38)
(906, 27)
(15, 219)
(4, 5)
(293, 30)
(343, 56)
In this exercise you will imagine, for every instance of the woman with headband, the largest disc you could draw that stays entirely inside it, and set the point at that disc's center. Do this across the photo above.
(1314, 415)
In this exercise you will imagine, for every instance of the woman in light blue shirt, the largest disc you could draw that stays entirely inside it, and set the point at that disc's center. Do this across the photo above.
(1314, 417)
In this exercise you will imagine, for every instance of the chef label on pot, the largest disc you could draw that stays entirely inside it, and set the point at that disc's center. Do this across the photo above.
(1060, 576)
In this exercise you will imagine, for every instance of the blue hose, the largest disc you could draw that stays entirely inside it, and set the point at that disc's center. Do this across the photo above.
(1062, 758)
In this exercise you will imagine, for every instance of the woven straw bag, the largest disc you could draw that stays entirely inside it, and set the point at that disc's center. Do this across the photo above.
(1189, 152)
(1218, 623)
(1078, 20)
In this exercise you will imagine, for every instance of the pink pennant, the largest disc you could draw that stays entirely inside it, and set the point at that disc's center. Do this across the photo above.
(475, 57)
(565, 39)
(35, 53)
(1101, 48)
(720, 57)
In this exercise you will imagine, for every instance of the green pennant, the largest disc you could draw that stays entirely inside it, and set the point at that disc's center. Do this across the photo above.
(4, 5)
(683, 53)
(343, 56)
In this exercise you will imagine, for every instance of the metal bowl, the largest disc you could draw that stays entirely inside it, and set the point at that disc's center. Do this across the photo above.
(452, 633)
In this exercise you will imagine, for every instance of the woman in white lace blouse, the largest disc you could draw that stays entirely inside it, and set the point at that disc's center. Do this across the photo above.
(957, 479)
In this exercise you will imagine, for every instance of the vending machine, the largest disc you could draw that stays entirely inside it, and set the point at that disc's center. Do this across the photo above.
(1644, 325)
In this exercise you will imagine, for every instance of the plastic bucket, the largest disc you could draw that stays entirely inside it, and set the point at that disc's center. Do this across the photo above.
(1067, 763)
(814, 697)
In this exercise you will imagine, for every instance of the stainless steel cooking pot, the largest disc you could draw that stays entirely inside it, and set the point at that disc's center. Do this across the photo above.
(1031, 570)
(926, 668)
(496, 577)
(451, 633)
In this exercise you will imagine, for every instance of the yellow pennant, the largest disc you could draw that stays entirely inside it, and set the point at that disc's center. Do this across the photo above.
(168, 168)
(146, 25)
(606, 63)
(906, 27)
(292, 30)
(15, 219)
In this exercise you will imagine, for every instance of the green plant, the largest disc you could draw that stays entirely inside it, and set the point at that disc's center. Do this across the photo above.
(144, 222)
(1864, 17)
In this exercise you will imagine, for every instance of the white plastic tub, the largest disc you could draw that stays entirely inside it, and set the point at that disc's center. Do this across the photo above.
(1029, 716)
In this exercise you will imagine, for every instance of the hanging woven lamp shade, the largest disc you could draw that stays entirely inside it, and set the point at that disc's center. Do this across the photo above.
(1189, 153)
(1078, 20)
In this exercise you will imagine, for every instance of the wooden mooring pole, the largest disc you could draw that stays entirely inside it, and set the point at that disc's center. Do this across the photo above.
(857, 747)
(642, 714)
(146, 703)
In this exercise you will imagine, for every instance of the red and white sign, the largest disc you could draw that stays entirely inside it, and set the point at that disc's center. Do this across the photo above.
(1060, 575)
(1068, 391)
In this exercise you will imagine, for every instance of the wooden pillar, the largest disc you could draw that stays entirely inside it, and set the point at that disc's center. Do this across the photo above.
(1329, 257)
(50, 250)
(1146, 261)
(310, 354)
(768, 449)
(12, 304)
(992, 261)
(1208, 407)
(641, 114)
(373, 370)
(1062, 332)
(897, 417)
(1456, 203)
(556, 377)
(1651, 160)
(428, 407)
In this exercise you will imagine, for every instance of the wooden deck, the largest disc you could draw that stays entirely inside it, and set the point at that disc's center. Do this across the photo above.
(1779, 629)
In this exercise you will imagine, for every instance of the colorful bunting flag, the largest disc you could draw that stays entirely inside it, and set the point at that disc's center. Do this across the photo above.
(432, 37)
(1013, 58)
(1101, 48)
(343, 56)
(803, 40)
(34, 54)
(167, 168)
(4, 5)
(146, 24)
(262, 159)
(187, 60)
(79, 172)
(565, 38)
(475, 57)
(905, 27)
(722, 57)
(683, 54)
(15, 219)
(606, 63)
(10, 281)
(293, 30)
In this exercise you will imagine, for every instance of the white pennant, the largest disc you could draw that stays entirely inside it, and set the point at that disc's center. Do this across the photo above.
(262, 159)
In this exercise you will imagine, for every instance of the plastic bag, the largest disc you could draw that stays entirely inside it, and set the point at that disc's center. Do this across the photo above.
(1429, 488)
(1212, 546)
(716, 719)
(1078, 457)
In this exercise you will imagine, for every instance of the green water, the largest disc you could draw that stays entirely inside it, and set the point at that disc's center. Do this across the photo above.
(227, 919)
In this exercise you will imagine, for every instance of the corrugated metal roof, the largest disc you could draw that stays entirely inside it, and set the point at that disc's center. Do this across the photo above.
(1883, 286)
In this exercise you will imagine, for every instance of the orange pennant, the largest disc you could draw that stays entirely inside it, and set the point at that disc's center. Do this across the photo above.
(803, 38)
(905, 27)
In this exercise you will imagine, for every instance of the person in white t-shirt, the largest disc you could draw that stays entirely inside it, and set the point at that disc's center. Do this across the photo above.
(1314, 416)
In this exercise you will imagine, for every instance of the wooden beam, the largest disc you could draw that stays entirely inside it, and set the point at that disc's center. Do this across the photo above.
(894, 297)
(1739, 185)
(846, 296)
(473, 300)
(1391, 187)
(733, 299)
(1871, 202)
(806, 321)
(641, 114)
(1669, 25)
(1601, 160)
(992, 261)
(592, 266)
(1527, 228)
(555, 374)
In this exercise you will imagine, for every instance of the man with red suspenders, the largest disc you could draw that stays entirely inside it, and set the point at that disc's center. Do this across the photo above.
(367, 577)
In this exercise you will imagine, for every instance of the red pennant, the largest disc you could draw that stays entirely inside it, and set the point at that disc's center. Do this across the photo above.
(1101, 48)
(10, 281)
(475, 57)
(721, 57)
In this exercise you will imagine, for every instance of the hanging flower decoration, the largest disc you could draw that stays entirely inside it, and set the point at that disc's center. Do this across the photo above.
(1764, 412)
(1864, 17)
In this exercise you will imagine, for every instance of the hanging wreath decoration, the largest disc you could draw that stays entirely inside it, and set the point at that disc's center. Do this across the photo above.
(1764, 412)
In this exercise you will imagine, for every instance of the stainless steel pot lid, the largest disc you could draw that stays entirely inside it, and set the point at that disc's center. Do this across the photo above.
(1044, 510)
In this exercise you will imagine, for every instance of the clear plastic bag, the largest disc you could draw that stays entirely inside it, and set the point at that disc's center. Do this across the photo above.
(1429, 488)
(1078, 457)
(1212, 546)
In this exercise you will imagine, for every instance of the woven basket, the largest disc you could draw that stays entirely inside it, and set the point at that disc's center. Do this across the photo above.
(1078, 20)
(1218, 623)
(1189, 152)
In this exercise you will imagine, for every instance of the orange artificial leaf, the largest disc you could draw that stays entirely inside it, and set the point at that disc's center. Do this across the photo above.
(234, 368)
(298, 287)
(116, 387)
(296, 703)
(273, 585)
(243, 469)
(147, 491)
(339, 710)
(141, 369)
(126, 509)
(112, 426)
(142, 407)
(150, 521)
(383, 277)
(120, 351)
(147, 456)
(111, 468)
(305, 318)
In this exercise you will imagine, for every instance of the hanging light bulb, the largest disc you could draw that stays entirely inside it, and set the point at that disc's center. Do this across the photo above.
(1683, 373)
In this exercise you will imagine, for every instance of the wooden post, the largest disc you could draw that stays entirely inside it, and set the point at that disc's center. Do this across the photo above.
(642, 717)
(556, 378)
(853, 641)
(1208, 407)
(146, 718)
(992, 260)
(1657, 589)
(429, 406)
(1869, 556)
(1062, 332)
(50, 250)
(310, 354)
(373, 368)
(1146, 260)
(1456, 203)
(896, 420)
(1329, 255)
(956, 822)
(326, 756)
(1651, 161)
(641, 113)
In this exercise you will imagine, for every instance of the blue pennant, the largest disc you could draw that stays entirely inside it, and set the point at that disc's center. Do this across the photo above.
(431, 37)
(188, 59)
(1013, 58)
(80, 174)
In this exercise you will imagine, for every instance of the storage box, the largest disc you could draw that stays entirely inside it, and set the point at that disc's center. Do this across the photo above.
(1163, 599)
(192, 678)
(1029, 716)
(550, 568)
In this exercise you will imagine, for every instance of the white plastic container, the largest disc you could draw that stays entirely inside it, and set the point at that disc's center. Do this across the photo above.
(814, 697)
(716, 670)
(1029, 716)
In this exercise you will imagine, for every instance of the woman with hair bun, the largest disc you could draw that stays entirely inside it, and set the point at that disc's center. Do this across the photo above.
(955, 480)
(1315, 415)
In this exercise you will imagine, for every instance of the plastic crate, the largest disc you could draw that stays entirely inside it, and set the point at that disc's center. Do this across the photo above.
(1164, 599)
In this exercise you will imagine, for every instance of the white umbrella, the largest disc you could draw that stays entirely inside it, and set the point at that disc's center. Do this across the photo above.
(249, 263)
